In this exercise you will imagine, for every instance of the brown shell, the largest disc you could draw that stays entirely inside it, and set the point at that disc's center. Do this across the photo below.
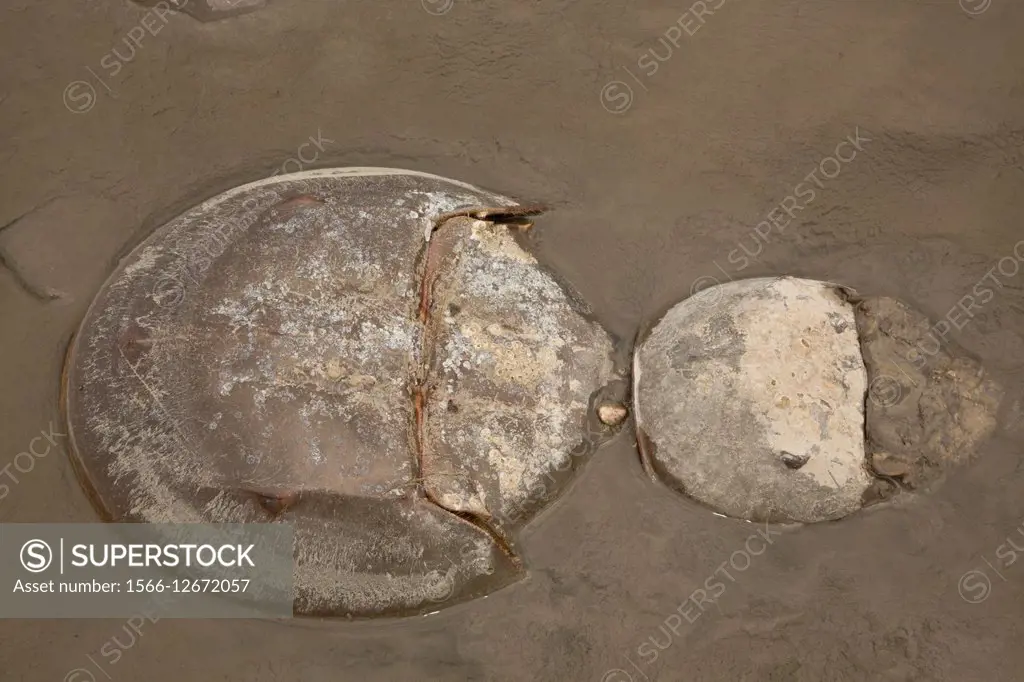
(295, 351)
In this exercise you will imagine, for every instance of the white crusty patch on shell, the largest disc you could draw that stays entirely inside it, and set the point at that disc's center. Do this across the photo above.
(545, 352)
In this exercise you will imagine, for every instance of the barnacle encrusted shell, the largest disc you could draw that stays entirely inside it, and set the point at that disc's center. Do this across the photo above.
(296, 351)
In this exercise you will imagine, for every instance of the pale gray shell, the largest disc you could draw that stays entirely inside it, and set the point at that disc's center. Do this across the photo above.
(749, 397)
(291, 351)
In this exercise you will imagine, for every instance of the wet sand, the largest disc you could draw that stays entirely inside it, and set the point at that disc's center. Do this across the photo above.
(659, 180)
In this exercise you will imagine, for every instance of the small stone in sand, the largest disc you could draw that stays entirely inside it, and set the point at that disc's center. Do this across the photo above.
(612, 414)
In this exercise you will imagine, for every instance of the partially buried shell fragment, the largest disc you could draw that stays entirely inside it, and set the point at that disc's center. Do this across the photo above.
(295, 351)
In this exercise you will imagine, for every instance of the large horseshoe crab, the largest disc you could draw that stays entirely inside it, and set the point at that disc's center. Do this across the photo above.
(367, 354)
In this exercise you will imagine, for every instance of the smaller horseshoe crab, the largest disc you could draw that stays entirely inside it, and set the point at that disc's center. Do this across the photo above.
(793, 400)
(367, 354)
